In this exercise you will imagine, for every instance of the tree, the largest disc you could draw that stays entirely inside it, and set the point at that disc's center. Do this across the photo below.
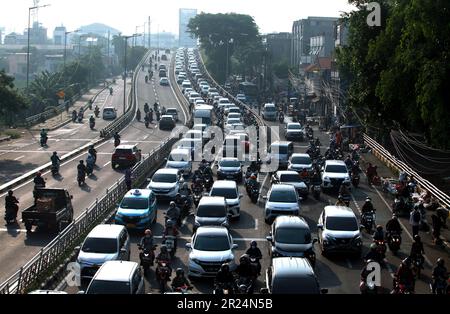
(11, 101)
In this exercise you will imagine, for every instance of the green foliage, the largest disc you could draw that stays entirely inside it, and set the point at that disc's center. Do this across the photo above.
(400, 70)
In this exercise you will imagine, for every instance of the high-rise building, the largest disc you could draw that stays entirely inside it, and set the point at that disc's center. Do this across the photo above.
(186, 39)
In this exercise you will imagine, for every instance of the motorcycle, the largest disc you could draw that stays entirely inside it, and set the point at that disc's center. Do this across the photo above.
(163, 273)
(169, 241)
(147, 257)
(316, 191)
(394, 241)
(92, 124)
(368, 220)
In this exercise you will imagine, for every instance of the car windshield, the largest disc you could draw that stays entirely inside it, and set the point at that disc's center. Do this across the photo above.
(301, 160)
(336, 169)
(211, 211)
(293, 236)
(294, 285)
(178, 157)
(230, 163)
(100, 246)
(109, 287)
(212, 243)
(290, 178)
(228, 193)
(294, 127)
(283, 196)
(164, 178)
(134, 203)
(342, 224)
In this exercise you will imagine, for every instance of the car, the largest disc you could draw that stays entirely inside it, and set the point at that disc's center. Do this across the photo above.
(166, 183)
(282, 199)
(172, 112)
(292, 178)
(211, 211)
(269, 112)
(180, 159)
(109, 113)
(117, 277)
(280, 152)
(137, 210)
(229, 190)
(338, 231)
(164, 81)
(291, 275)
(334, 173)
(209, 249)
(298, 162)
(104, 243)
(167, 123)
(229, 168)
(125, 156)
(294, 132)
(290, 236)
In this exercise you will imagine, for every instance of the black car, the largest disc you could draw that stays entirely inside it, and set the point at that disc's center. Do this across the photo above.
(167, 123)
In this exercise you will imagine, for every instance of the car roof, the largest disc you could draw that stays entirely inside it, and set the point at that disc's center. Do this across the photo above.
(212, 230)
(291, 221)
(335, 162)
(106, 231)
(125, 146)
(116, 271)
(339, 211)
(138, 193)
(282, 187)
(228, 184)
(300, 155)
(212, 200)
(168, 171)
(292, 267)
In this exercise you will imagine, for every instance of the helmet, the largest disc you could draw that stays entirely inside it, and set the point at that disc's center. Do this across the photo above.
(172, 204)
(180, 272)
(163, 249)
(253, 243)
(244, 258)
(225, 267)
(440, 261)
(373, 246)
(148, 232)
(417, 238)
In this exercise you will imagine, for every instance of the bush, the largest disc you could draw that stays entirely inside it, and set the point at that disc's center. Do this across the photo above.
(13, 133)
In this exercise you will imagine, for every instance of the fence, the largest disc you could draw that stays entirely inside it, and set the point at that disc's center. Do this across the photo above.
(381, 153)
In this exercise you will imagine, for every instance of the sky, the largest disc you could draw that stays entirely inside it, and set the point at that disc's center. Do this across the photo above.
(270, 16)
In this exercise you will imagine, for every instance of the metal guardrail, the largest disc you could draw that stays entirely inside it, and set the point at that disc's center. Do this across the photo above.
(380, 152)
(50, 255)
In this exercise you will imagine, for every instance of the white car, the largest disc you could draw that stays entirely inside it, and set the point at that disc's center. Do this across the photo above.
(166, 183)
(210, 248)
(334, 173)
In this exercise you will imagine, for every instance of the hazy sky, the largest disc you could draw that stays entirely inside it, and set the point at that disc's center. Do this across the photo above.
(271, 16)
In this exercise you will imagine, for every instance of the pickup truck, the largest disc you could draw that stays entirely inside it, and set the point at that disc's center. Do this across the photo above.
(52, 209)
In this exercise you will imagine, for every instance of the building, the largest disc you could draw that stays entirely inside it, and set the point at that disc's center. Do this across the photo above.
(58, 35)
(303, 30)
(185, 38)
(279, 46)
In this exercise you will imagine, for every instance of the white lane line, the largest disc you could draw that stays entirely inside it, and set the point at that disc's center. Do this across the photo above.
(256, 224)
(18, 158)
(107, 164)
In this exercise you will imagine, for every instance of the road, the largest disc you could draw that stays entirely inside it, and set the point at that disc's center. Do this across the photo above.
(19, 157)
(17, 246)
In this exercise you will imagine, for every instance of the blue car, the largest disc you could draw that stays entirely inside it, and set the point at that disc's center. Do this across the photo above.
(138, 210)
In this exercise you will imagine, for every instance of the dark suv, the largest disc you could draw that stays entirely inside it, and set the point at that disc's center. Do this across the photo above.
(124, 156)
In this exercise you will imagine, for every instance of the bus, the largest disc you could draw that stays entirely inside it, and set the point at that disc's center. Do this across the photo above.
(250, 90)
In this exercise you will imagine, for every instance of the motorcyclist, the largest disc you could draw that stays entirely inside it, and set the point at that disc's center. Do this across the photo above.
(138, 115)
(417, 250)
(368, 206)
(393, 227)
(439, 274)
(379, 234)
(173, 213)
(340, 201)
(404, 275)
(255, 252)
(55, 160)
(11, 207)
(171, 230)
(180, 280)
(225, 277)
(146, 244)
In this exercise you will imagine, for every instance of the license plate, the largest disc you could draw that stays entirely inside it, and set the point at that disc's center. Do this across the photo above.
(131, 226)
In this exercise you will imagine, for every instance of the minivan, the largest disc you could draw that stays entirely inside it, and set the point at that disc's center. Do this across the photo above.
(211, 211)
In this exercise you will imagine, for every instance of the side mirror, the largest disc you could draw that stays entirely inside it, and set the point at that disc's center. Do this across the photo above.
(264, 291)
(324, 291)
(188, 246)
(320, 226)
(269, 238)
(235, 246)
